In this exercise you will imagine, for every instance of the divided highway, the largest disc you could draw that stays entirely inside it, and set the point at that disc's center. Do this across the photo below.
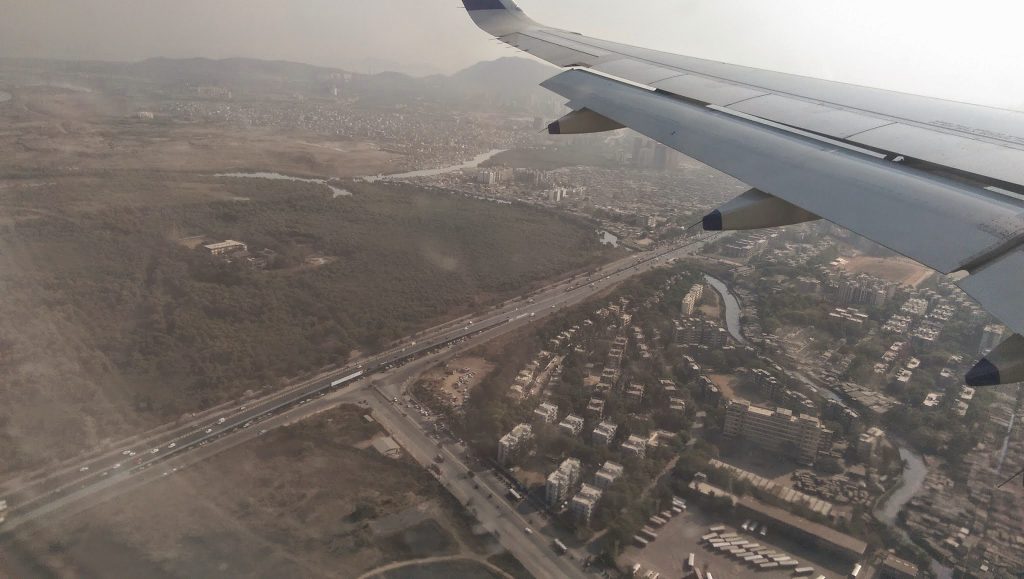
(118, 471)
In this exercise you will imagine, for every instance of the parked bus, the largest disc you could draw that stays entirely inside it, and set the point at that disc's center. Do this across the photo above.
(690, 561)
(514, 495)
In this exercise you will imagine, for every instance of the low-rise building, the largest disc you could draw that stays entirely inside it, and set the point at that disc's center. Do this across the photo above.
(595, 408)
(677, 405)
(767, 384)
(561, 482)
(868, 441)
(607, 475)
(546, 413)
(635, 393)
(584, 503)
(635, 446)
(777, 430)
(604, 433)
(512, 445)
(893, 567)
(571, 425)
(226, 247)
(691, 299)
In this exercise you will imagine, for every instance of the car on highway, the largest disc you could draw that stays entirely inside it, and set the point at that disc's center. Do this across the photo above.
(528, 530)
(117, 466)
(154, 451)
(172, 445)
(208, 430)
(84, 469)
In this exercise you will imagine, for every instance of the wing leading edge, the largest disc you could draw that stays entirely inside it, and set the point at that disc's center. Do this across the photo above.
(823, 149)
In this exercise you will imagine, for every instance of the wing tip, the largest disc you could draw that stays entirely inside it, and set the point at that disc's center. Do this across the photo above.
(984, 373)
(477, 5)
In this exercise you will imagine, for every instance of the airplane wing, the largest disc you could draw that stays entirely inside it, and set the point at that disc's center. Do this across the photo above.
(938, 181)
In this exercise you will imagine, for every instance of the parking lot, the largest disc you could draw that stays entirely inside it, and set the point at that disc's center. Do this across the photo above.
(682, 535)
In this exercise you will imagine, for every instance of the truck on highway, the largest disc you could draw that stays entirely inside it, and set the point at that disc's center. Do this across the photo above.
(560, 547)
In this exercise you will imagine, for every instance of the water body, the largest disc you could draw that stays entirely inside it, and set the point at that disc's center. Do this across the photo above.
(608, 239)
(335, 191)
(914, 473)
(474, 162)
(732, 308)
(5, 96)
(338, 192)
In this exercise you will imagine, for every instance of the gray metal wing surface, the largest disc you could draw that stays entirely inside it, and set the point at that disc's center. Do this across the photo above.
(934, 180)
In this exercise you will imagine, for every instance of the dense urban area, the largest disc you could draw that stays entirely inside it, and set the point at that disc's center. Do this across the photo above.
(185, 239)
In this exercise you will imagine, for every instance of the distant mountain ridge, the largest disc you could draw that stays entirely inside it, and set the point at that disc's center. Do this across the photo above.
(510, 81)
(508, 74)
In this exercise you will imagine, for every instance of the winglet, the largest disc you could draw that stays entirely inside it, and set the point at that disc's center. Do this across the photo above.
(473, 5)
(498, 17)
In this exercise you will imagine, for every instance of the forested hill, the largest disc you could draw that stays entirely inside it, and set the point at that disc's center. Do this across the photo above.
(162, 329)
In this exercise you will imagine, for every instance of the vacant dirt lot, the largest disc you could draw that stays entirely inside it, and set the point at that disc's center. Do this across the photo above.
(726, 383)
(299, 502)
(454, 381)
(897, 269)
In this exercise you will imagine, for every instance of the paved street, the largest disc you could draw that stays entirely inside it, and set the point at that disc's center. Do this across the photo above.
(375, 380)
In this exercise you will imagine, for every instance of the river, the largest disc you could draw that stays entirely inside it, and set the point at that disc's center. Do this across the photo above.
(336, 191)
(732, 308)
(914, 473)
(474, 162)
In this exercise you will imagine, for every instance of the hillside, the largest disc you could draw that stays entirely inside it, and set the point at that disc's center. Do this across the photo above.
(513, 79)
(111, 323)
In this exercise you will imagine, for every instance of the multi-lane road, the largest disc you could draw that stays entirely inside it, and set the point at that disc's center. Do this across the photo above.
(104, 475)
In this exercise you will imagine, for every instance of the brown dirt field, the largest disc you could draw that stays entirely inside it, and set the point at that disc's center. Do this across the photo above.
(726, 383)
(896, 269)
(478, 366)
(299, 501)
(711, 304)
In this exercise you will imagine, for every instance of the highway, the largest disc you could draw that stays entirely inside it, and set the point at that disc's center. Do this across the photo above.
(74, 487)
(485, 501)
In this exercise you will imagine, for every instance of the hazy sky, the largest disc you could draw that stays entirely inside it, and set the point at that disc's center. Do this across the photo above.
(948, 48)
